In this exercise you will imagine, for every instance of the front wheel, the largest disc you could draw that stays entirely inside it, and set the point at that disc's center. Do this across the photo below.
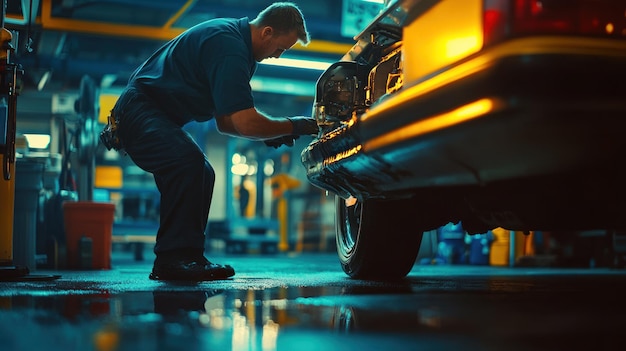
(377, 239)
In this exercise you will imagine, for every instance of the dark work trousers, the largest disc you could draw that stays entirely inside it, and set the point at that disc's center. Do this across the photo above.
(182, 173)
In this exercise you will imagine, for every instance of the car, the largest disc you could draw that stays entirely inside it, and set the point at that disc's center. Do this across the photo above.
(493, 113)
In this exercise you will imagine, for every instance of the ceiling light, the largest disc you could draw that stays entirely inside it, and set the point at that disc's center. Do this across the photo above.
(37, 141)
(282, 86)
(297, 63)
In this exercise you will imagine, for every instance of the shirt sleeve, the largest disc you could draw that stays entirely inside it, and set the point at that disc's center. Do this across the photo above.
(230, 85)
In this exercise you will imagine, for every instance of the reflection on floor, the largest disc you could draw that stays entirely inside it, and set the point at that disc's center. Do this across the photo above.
(305, 302)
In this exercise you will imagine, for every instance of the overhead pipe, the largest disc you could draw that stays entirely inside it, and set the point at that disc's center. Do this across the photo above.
(123, 30)
(179, 13)
(163, 33)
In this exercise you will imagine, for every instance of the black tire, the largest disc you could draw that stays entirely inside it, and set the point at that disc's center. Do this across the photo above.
(377, 239)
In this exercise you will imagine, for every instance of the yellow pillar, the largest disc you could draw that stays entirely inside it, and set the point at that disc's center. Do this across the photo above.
(7, 199)
(508, 246)
(7, 187)
(280, 184)
(283, 244)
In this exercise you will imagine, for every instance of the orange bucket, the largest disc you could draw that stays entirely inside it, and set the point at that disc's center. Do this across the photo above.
(92, 221)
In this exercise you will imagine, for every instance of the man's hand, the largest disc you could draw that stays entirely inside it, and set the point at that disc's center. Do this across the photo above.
(304, 125)
(280, 141)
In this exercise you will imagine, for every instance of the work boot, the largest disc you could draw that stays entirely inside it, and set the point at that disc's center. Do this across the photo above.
(179, 265)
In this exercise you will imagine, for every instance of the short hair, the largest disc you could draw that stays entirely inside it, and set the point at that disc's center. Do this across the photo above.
(284, 17)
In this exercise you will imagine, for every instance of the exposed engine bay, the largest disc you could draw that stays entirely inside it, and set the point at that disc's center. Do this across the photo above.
(349, 87)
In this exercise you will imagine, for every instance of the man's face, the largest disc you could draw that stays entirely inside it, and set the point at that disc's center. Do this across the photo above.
(273, 44)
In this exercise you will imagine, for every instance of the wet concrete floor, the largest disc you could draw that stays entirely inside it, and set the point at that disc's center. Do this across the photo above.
(305, 302)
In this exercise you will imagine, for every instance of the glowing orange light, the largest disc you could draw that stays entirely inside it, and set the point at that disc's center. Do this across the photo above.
(421, 127)
(342, 155)
(351, 201)
(609, 28)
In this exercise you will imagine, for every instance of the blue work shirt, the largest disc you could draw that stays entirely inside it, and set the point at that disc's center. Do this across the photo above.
(202, 73)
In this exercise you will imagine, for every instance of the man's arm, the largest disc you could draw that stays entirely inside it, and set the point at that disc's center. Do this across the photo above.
(252, 124)
(255, 125)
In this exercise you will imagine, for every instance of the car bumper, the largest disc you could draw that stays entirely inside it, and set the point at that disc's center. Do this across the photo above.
(529, 107)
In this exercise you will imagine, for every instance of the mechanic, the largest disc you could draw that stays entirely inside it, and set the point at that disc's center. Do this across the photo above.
(203, 73)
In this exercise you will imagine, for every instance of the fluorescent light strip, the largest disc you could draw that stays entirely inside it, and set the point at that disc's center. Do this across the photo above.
(296, 63)
(282, 86)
